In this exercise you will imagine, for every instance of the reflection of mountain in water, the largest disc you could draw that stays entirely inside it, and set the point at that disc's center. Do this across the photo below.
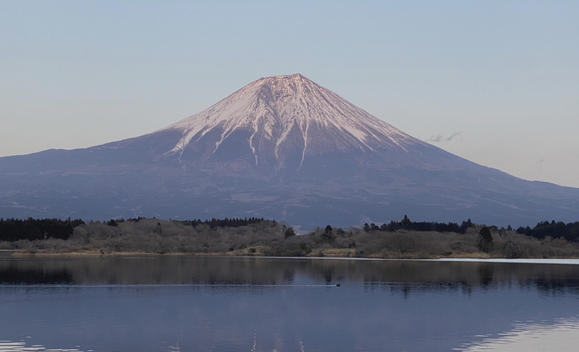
(9, 346)
(561, 336)
(397, 276)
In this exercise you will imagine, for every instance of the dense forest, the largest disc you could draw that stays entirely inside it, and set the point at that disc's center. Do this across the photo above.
(33, 229)
(258, 236)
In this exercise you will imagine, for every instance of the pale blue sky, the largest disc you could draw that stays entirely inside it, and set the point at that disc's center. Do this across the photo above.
(501, 76)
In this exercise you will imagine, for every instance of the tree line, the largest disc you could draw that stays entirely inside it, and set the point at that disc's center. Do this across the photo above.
(261, 237)
(30, 229)
(213, 223)
(37, 229)
(406, 224)
(569, 231)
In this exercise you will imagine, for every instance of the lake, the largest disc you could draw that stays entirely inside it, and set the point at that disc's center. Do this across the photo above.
(183, 303)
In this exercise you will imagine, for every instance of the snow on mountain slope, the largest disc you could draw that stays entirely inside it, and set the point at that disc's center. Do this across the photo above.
(291, 112)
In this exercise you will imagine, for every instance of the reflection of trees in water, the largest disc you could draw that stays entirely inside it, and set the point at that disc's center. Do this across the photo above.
(557, 286)
(327, 272)
(398, 276)
(34, 276)
(406, 289)
(550, 279)
(288, 275)
(486, 275)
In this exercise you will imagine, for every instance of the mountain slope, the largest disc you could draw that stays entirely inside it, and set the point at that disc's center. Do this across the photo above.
(281, 147)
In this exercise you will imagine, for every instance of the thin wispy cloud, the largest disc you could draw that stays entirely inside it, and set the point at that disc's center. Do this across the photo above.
(439, 138)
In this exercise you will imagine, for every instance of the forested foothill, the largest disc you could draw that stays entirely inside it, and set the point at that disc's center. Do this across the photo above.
(261, 237)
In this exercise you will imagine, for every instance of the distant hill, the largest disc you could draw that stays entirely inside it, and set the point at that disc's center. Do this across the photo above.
(281, 148)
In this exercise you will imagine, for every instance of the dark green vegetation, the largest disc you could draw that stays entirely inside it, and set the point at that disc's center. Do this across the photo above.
(33, 229)
(256, 236)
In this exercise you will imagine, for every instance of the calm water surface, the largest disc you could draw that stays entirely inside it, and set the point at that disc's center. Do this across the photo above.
(265, 304)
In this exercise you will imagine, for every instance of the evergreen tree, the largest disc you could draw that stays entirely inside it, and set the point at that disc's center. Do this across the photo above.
(485, 240)
(289, 233)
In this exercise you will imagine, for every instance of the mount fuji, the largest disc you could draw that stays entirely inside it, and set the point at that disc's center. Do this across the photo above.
(281, 147)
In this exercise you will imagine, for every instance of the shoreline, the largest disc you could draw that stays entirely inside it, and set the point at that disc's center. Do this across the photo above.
(468, 258)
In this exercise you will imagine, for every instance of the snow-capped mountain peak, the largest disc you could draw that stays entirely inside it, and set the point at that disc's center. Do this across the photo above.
(284, 113)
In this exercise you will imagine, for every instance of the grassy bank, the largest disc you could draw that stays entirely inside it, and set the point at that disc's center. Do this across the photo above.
(269, 238)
